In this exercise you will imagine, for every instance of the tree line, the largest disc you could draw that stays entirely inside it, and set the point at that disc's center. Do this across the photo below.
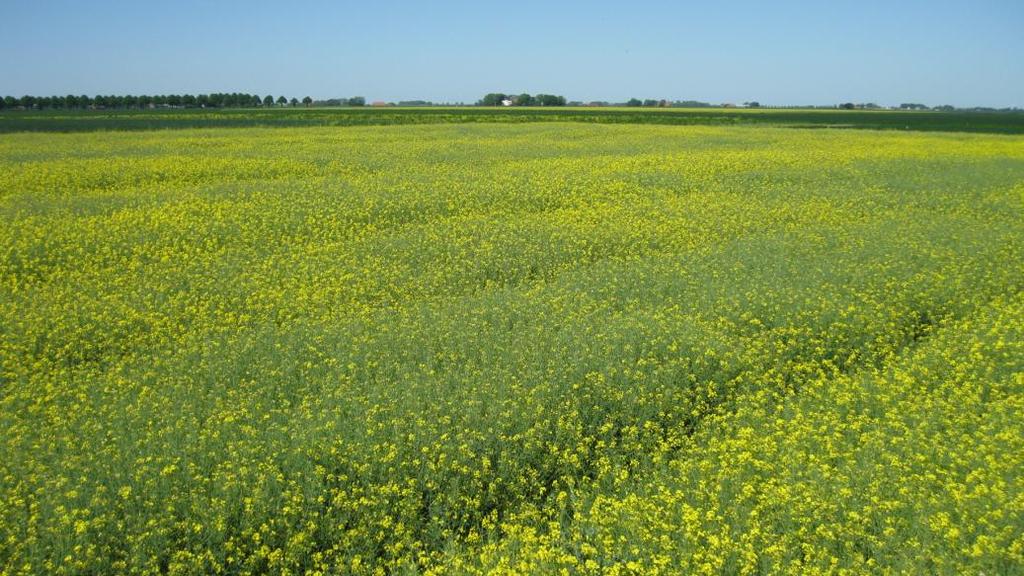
(524, 99)
(215, 100)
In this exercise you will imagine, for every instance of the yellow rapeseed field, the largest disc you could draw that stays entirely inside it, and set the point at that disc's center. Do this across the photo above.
(511, 349)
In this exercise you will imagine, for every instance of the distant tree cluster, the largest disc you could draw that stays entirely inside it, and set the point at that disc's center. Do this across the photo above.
(215, 100)
(917, 106)
(72, 102)
(354, 101)
(524, 99)
(493, 99)
(690, 104)
(859, 106)
(654, 103)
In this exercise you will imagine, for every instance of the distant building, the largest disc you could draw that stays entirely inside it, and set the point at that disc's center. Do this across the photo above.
(379, 103)
(507, 102)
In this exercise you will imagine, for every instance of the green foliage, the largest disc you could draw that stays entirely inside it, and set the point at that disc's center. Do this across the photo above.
(72, 102)
(549, 100)
(493, 99)
(497, 99)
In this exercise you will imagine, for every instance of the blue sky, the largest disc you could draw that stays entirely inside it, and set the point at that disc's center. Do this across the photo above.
(937, 52)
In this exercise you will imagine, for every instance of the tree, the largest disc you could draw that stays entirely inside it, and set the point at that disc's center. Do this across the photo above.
(307, 101)
(492, 99)
(550, 100)
(525, 99)
(847, 106)
(754, 104)
(356, 101)
(293, 102)
(268, 100)
(650, 103)
(281, 100)
(634, 102)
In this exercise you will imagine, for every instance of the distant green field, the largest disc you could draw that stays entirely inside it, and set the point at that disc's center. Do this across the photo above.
(547, 348)
(64, 121)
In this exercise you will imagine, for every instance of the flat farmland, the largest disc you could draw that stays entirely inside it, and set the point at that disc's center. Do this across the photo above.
(511, 347)
(993, 122)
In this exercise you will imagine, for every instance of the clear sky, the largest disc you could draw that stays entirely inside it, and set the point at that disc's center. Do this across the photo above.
(935, 52)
